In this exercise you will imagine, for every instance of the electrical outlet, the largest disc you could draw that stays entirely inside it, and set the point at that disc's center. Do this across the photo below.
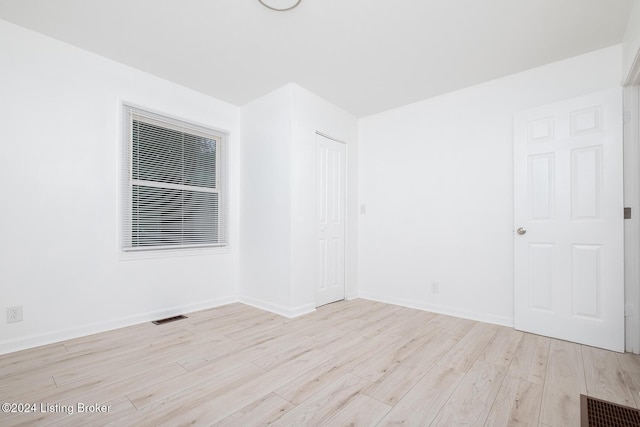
(14, 314)
(435, 288)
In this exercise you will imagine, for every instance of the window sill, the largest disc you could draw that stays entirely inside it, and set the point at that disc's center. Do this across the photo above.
(171, 253)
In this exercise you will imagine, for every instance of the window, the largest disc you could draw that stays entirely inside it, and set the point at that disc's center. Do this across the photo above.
(173, 183)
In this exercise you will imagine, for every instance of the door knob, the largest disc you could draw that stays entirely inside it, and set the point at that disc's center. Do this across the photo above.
(521, 231)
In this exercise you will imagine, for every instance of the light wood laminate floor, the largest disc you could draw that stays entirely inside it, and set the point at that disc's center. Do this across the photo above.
(349, 363)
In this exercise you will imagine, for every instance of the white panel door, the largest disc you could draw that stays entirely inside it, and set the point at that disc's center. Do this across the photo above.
(331, 220)
(568, 230)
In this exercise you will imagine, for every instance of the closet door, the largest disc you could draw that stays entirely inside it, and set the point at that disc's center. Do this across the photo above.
(331, 220)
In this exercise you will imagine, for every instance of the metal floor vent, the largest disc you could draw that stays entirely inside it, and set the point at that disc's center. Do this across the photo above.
(168, 320)
(600, 413)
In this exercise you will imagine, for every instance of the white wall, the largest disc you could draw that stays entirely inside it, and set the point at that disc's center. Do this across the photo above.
(310, 114)
(435, 178)
(265, 218)
(437, 181)
(278, 262)
(59, 168)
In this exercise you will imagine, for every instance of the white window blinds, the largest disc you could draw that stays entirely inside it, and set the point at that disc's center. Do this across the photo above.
(173, 184)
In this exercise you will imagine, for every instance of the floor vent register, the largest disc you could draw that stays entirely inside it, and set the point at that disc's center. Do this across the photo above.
(168, 320)
(600, 413)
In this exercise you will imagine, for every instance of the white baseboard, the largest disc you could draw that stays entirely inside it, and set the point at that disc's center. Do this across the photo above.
(94, 328)
(276, 308)
(450, 311)
(351, 297)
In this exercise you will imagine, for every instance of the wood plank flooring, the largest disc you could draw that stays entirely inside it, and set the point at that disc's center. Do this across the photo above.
(358, 363)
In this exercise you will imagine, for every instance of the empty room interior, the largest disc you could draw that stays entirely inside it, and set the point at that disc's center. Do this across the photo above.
(320, 212)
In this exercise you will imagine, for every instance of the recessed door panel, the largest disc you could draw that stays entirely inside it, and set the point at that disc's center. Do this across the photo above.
(336, 191)
(586, 179)
(323, 259)
(541, 181)
(586, 281)
(541, 130)
(540, 275)
(323, 172)
(586, 121)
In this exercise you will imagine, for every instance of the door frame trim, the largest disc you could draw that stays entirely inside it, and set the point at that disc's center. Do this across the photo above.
(631, 170)
(633, 76)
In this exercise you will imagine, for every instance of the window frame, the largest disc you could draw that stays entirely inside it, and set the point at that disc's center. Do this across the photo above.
(125, 242)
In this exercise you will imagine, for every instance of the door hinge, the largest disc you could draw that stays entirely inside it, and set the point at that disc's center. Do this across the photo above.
(628, 310)
(627, 213)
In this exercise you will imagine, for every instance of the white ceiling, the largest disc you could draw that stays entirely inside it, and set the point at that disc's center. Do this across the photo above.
(365, 56)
